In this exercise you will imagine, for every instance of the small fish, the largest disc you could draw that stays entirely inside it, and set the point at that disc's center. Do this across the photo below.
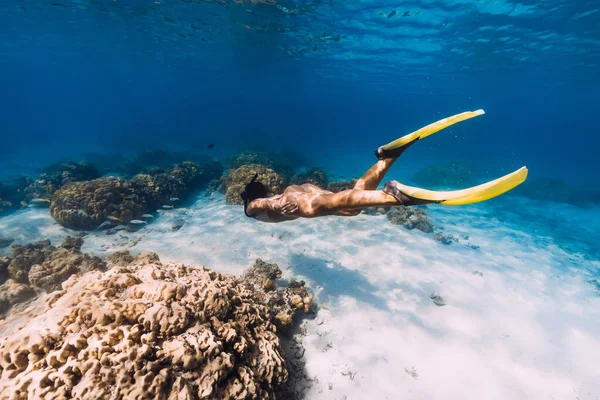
(5, 203)
(406, 14)
(24, 203)
(40, 201)
(120, 227)
(390, 15)
(166, 207)
(147, 216)
(105, 224)
(112, 218)
(137, 222)
(41, 181)
(131, 197)
(173, 199)
(211, 146)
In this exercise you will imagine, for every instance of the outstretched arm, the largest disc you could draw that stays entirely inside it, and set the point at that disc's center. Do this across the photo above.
(272, 205)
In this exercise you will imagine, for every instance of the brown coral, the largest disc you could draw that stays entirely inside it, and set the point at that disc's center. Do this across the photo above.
(410, 218)
(235, 181)
(13, 292)
(58, 175)
(43, 265)
(59, 266)
(146, 330)
(85, 205)
(283, 304)
(24, 257)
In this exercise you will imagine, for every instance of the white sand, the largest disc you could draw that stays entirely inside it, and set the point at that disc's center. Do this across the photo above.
(529, 328)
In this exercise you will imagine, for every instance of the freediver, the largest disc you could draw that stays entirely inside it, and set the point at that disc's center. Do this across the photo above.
(310, 201)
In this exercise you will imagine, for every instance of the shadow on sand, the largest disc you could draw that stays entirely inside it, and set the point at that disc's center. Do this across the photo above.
(337, 280)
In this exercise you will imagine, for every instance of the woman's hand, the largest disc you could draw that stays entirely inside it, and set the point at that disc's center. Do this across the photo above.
(287, 208)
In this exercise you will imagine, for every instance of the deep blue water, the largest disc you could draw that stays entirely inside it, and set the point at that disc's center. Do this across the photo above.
(330, 80)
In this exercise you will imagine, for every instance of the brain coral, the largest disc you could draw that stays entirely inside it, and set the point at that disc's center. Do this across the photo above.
(144, 330)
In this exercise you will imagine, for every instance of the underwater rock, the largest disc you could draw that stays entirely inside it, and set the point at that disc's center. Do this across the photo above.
(58, 175)
(339, 186)
(13, 292)
(60, 265)
(5, 242)
(147, 330)
(283, 304)
(177, 225)
(444, 239)
(24, 257)
(73, 243)
(121, 258)
(456, 175)
(315, 176)
(235, 181)
(437, 299)
(410, 218)
(86, 205)
(43, 265)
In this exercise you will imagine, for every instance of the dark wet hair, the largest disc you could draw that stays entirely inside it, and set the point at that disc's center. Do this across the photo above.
(253, 190)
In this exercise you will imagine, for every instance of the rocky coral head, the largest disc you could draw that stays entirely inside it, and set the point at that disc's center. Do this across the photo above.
(236, 180)
(146, 330)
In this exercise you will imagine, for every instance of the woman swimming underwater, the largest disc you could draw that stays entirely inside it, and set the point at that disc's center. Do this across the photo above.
(310, 201)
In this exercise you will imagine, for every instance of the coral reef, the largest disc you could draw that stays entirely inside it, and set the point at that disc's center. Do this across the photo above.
(58, 175)
(148, 330)
(24, 257)
(455, 175)
(248, 157)
(234, 182)
(283, 304)
(156, 160)
(410, 218)
(60, 265)
(86, 205)
(43, 266)
(13, 292)
(339, 186)
(315, 176)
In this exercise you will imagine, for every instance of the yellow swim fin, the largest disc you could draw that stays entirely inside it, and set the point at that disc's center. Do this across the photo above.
(413, 195)
(395, 148)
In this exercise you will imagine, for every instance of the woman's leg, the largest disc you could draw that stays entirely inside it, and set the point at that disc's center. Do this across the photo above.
(319, 205)
(373, 177)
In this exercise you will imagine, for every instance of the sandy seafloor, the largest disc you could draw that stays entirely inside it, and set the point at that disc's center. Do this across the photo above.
(527, 327)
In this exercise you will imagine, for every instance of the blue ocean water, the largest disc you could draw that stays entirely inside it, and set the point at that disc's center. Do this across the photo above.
(323, 84)
(330, 80)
